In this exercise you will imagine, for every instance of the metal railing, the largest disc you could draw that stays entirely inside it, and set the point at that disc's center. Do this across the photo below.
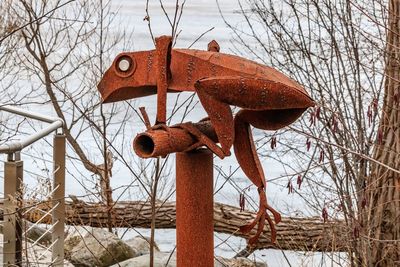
(13, 234)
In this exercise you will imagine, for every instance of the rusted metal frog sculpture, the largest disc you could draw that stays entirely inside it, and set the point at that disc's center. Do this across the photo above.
(268, 99)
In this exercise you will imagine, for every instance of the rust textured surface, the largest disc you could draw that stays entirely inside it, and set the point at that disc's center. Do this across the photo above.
(163, 72)
(167, 140)
(194, 209)
(268, 99)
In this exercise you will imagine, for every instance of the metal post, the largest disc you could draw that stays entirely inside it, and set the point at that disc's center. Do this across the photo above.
(194, 209)
(12, 229)
(58, 216)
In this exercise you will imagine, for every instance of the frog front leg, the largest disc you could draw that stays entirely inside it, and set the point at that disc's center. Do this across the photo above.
(163, 50)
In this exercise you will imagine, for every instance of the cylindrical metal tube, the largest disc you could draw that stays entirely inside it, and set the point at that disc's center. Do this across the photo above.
(160, 142)
(194, 209)
(156, 143)
(30, 114)
(14, 146)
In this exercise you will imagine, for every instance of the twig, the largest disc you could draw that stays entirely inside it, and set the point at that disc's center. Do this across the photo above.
(35, 20)
(201, 35)
(166, 14)
(346, 149)
(148, 22)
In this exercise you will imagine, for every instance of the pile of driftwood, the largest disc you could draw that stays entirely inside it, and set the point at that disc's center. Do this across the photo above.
(299, 234)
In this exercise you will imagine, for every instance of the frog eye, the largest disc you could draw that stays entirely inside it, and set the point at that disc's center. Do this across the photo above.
(125, 65)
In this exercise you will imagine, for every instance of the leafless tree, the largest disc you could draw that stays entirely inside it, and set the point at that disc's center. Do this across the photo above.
(382, 230)
(63, 50)
(340, 52)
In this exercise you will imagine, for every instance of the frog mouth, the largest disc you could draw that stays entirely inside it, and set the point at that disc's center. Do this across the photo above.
(114, 93)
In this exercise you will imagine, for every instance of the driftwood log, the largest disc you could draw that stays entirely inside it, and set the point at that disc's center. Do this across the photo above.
(298, 234)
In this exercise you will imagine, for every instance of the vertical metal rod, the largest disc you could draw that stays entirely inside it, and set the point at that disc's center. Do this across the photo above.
(194, 209)
(12, 229)
(58, 215)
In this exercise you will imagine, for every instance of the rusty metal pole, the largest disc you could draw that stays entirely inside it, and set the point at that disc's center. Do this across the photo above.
(12, 229)
(58, 215)
(194, 208)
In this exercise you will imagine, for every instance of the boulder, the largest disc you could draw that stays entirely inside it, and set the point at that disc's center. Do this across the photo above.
(69, 243)
(98, 248)
(162, 258)
(237, 262)
(141, 245)
(40, 256)
(37, 255)
(74, 236)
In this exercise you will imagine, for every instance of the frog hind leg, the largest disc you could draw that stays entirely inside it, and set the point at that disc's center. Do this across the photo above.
(247, 157)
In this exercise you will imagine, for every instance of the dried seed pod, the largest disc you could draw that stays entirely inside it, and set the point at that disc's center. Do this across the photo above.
(321, 156)
(333, 123)
(325, 214)
(290, 187)
(242, 201)
(380, 136)
(364, 202)
(312, 118)
(273, 142)
(375, 105)
(369, 115)
(318, 112)
(356, 232)
(308, 144)
(299, 180)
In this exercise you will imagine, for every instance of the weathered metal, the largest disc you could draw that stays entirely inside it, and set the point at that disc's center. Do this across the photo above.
(12, 228)
(58, 196)
(163, 72)
(14, 232)
(194, 208)
(167, 140)
(18, 145)
(269, 100)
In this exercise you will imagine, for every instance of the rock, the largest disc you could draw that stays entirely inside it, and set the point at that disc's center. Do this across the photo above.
(161, 259)
(40, 256)
(74, 236)
(141, 245)
(99, 248)
(37, 255)
(69, 243)
(35, 232)
(237, 262)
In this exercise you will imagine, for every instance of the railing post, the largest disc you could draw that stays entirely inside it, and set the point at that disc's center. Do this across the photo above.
(12, 229)
(58, 216)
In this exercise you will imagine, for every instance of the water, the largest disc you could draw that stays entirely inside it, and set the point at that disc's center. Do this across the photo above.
(198, 17)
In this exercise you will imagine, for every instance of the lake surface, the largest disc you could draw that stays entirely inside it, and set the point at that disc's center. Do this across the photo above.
(198, 17)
